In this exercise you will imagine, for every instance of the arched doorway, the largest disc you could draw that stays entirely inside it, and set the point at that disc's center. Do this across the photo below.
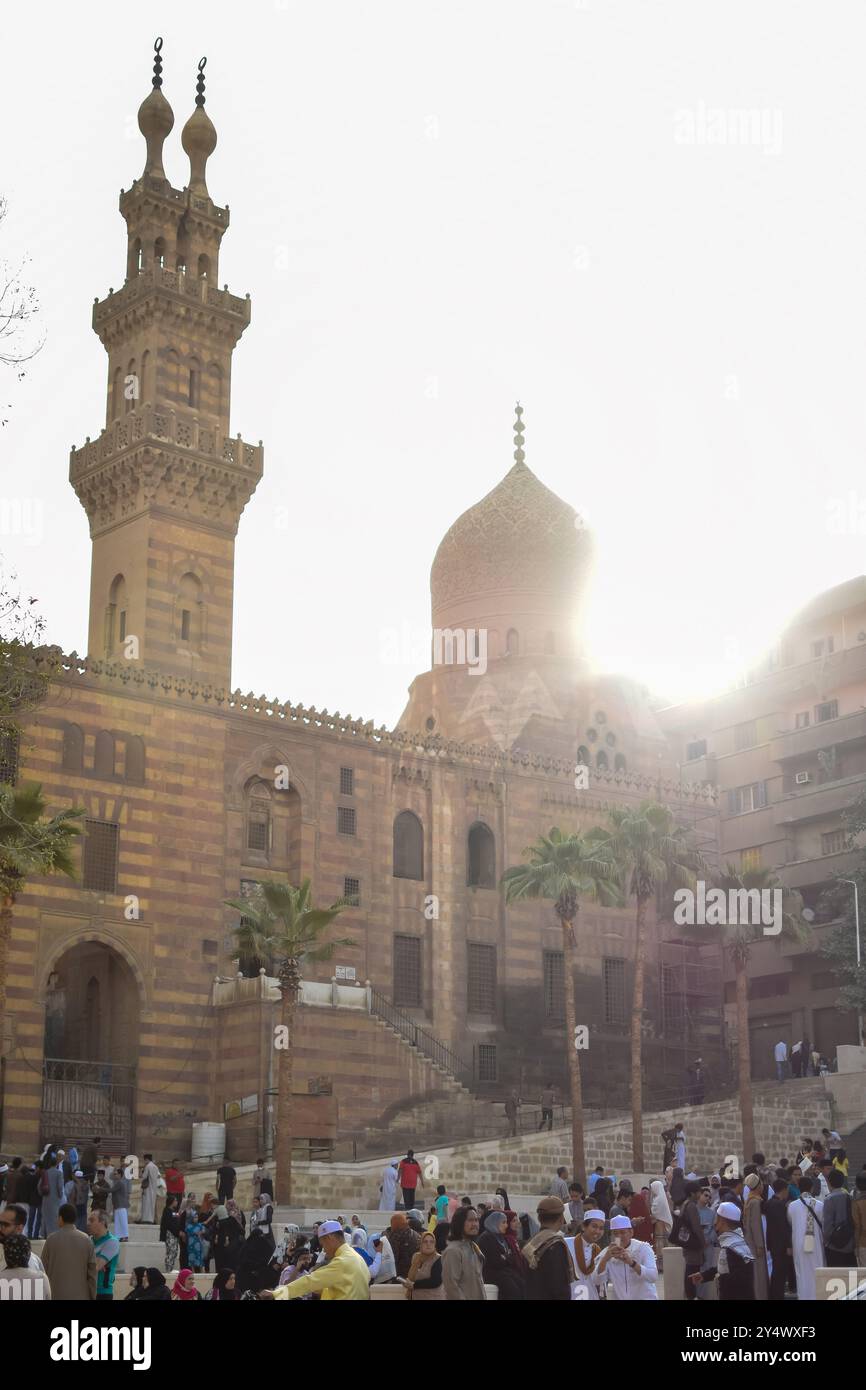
(90, 1049)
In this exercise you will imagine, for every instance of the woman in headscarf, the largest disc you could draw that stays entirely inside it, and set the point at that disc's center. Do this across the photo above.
(403, 1242)
(17, 1251)
(184, 1290)
(171, 1223)
(155, 1289)
(359, 1244)
(193, 1243)
(424, 1281)
(136, 1287)
(253, 1269)
(224, 1289)
(235, 1212)
(500, 1265)
(500, 1192)
(662, 1218)
(753, 1230)
(642, 1224)
(227, 1240)
(514, 1235)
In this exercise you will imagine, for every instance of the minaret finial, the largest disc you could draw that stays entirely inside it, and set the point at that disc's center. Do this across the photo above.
(157, 63)
(519, 456)
(199, 86)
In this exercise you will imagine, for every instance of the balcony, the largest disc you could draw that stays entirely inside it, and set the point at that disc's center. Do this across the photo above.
(184, 286)
(814, 802)
(801, 873)
(801, 743)
(151, 422)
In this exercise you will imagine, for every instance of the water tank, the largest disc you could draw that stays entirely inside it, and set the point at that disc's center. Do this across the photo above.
(208, 1141)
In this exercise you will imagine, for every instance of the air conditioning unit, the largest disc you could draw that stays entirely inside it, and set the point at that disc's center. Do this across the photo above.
(802, 777)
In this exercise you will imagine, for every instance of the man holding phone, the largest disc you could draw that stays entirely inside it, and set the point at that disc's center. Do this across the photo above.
(630, 1264)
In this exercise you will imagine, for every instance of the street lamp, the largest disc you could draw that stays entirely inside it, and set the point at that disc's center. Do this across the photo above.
(853, 883)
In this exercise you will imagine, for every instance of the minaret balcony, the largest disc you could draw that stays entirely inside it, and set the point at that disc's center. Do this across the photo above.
(184, 285)
(166, 426)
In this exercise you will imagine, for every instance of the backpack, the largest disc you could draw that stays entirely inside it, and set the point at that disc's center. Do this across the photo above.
(843, 1234)
(683, 1235)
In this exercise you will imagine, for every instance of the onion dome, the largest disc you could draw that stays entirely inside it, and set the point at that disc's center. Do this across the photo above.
(199, 138)
(155, 119)
(521, 539)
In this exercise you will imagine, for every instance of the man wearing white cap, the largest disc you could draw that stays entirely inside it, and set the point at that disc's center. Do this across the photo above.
(736, 1266)
(344, 1274)
(586, 1253)
(629, 1264)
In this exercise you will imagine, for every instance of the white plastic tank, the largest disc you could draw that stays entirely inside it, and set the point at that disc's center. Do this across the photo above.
(208, 1140)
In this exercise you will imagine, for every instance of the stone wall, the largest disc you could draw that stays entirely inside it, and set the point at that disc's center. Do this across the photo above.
(528, 1163)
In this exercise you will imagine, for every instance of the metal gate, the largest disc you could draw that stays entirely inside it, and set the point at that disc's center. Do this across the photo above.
(88, 1100)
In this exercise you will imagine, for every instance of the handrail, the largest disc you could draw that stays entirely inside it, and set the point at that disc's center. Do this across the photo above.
(433, 1048)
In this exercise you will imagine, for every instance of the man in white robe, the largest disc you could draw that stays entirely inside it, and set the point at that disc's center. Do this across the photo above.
(629, 1264)
(585, 1256)
(807, 1241)
(149, 1181)
(388, 1199)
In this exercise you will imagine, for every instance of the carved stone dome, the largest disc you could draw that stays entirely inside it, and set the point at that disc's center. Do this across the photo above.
(521, 538)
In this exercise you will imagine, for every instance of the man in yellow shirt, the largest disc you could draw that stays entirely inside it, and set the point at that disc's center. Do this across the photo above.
(343, 1275)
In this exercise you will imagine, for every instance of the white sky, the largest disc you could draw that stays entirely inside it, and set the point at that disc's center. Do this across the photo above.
(437, 209)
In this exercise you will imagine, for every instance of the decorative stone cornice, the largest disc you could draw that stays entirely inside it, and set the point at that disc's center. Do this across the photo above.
(154, 457)
(73, 668)
(183, 288)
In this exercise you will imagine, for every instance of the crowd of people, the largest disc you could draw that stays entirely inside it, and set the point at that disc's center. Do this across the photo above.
(759, 1234)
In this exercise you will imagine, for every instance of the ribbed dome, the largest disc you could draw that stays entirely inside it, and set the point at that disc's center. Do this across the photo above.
(520, 538)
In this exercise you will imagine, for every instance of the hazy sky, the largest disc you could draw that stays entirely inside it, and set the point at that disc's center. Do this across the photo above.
(644, 218)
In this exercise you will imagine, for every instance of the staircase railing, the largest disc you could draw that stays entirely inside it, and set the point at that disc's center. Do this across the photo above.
(431, 1047)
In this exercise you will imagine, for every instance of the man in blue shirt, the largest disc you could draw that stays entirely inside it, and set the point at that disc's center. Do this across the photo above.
(107, 1250)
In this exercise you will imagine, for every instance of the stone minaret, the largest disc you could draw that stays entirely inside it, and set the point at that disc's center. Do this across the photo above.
(164, 485)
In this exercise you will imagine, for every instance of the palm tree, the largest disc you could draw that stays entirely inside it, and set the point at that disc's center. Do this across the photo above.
(738, 940)
(651, 850)
(30, 844)
(566, 868)
(279, 923)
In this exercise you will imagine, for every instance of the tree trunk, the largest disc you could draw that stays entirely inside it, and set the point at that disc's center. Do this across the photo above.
(285, 1137)
(637, 1038)
(578, 1157)
(5, 936)
(744, 1062)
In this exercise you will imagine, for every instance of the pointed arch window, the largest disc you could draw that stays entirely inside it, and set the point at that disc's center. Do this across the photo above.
(159, 251)
(130, 387)
(189, 612)
(619, 763)
(194, 393)
(512, 643)
(103, 756)
(408, 846)
(203, 267)
(134, 759)
(258, 818)
(601, 760)
(481, 868)
(115, 614)
(73, 748)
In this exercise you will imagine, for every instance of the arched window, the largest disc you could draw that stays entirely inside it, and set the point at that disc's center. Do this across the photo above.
(258, 818)
(481, 869)
(583, 755)
(159, 251)
(408, 846)
(103, 757)
(203, 267)
(189, 610)
(130, 387)
(134, 266)
(550, 644)
(73, 748)
(172, 375)
(512, 643)
(601, 759)
(117, 394)
(180, 265)
(145, 372)
(115, 614)
(214, 397)
(194, 392)
(134, 759)
(619, 764)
